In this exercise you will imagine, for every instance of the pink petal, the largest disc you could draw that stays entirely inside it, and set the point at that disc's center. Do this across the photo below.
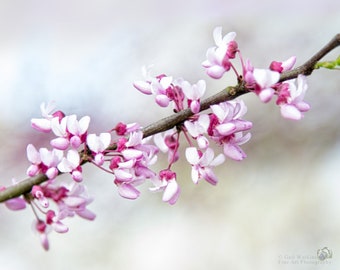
(266, 95)
(59, 227)
(16, 204)
(42, 124)
(290, 112)
(128, 191)
(216, 72)
(87, 214)
(162, 100)
(60, 143)
(73, 201)
(226, 129)
(143, 87)
(234, 152)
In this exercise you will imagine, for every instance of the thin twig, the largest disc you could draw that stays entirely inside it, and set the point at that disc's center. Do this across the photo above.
(176, 119)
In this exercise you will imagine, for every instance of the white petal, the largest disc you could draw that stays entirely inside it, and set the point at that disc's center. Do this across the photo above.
(105, 138)
(192, 155)
(92, 142)
(73, 157)
(218, 160)
(217, 34)
(84, 124)
(170, 190)
(132, 153)
(65, 166)
(266, 77)
(32, 154)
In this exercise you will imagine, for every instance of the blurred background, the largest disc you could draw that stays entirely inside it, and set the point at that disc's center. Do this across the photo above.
(272, 211)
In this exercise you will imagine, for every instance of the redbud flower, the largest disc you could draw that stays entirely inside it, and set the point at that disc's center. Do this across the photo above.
(44, 161)
(202, 164)
(38, 193)
(44, 124)
(97, 145)
(283, 66)
(218, 57)
(59, 128)
(42, 229)
(71, 164)
(291, 98)
(193, 93)
(168, 143)
(168, 184)
(265, 81)
(197, 128)
(226, 127)
(77, 129)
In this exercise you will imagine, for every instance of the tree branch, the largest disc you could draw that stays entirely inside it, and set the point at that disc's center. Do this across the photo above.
(176, 119)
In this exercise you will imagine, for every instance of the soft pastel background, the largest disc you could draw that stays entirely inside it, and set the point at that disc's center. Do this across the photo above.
(280, 203)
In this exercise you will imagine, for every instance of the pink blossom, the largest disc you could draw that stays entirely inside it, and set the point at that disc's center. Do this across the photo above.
(283, 66)
(159, 86)
(44, 161)
(145, 85)
(71, 164)
(218, 57)
(194, 93)
(124, 129)
(168, 143)
(98, 145)
(291, 98)
(248, 75)
(38, 193)
(168, 184)
(54, 220)
(44, 124)
(197, 128)
(128, 191)
(76, 202)
(77, 129)
(50, 161)
(43, 231)
(59, 128)
(265, 80)
(231, 147)
(131, 167)
(226, 127)
(202, 164)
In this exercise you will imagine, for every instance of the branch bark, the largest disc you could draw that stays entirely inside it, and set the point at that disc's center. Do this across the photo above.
(176, 119)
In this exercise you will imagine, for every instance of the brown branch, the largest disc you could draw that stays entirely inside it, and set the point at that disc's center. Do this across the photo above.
(178, 118)
(308, 67)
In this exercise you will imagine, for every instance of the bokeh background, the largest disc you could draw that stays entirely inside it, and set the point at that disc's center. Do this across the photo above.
(279, 205)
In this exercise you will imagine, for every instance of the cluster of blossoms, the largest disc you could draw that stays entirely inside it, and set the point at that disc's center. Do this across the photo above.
(128, 156)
